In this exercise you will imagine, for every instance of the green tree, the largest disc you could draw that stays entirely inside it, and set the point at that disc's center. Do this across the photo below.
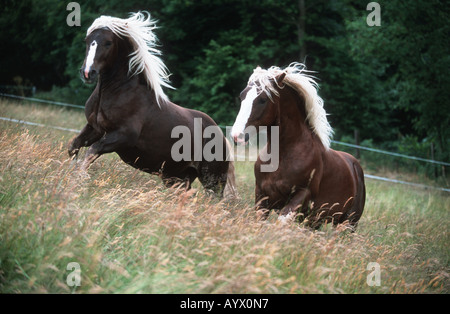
(407, 56)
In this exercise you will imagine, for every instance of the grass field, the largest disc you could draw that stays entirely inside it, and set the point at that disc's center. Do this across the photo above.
(130, 234)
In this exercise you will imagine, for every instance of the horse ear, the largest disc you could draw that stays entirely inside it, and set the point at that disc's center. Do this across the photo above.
(280, 77)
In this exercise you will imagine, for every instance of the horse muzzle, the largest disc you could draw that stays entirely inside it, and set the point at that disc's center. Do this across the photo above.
(88, 75)
(241, 138)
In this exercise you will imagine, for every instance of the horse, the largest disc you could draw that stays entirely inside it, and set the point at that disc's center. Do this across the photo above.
(128, 112)
(312, 180)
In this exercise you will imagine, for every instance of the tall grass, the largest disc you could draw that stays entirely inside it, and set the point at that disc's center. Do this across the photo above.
(130, 234)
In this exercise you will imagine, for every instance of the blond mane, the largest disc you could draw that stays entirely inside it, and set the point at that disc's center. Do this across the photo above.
(306, 86)
(139, 30)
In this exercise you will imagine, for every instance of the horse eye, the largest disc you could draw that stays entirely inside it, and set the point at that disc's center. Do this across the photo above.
(108, 43)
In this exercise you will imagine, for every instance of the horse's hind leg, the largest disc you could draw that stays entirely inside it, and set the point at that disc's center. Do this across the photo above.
(357, 208)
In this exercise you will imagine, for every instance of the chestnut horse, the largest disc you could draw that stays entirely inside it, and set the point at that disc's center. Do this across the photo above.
(312, 180)
(128, 112)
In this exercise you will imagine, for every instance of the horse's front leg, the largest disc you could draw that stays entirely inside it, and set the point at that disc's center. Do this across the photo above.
(110, 142)
(298, 201)
(261, 202)
(87, 136)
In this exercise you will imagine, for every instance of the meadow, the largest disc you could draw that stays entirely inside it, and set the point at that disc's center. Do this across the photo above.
(131, 234)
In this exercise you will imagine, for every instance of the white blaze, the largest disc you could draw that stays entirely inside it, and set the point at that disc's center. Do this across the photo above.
(244, 112)
(90, 58)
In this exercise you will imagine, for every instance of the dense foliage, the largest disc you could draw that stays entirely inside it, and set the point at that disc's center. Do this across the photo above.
(389, 82)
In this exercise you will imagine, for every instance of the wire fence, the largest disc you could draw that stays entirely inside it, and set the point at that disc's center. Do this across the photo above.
(17, 89)
(39, 124)
(41, 101)
(442, 163)
(224, 127)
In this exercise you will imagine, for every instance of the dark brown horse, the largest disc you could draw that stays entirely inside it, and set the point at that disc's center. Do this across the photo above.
(128, 112)
(321, 183)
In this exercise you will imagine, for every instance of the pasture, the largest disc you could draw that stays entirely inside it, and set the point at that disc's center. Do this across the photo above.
(130, 234)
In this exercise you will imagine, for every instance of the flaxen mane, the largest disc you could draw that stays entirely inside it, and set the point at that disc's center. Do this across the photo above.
(306, 86)
(139, 30)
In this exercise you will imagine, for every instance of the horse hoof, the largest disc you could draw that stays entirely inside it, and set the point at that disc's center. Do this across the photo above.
(285, 219)
(73, 153)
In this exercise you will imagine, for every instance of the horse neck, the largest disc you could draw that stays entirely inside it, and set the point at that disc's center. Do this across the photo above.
(113, 78)
(117, 74)
(291, 119)
(116, 80)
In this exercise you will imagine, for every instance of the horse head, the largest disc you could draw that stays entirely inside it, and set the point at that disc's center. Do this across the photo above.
(102, 49)
(128, 45)
(258, 106)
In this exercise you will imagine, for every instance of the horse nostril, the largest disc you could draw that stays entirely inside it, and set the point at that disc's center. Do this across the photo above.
(241, 138)
(92, 74)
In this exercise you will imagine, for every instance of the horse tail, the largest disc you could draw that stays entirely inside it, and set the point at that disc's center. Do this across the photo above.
(230, 191)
